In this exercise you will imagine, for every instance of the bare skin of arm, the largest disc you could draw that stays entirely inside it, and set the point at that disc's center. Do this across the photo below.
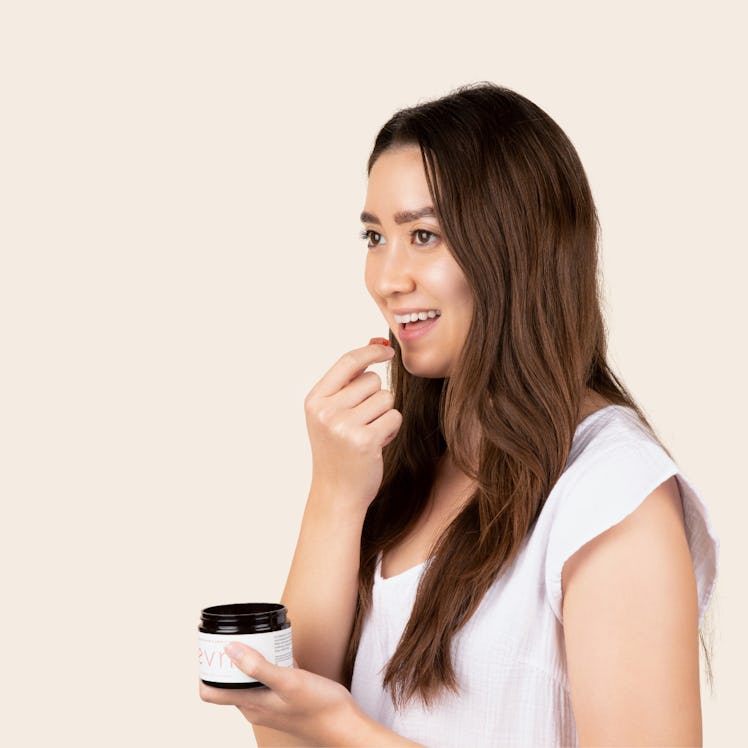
(630, 615)
(320, 595)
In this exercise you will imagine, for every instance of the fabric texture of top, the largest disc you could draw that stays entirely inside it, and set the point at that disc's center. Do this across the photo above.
(510, 658)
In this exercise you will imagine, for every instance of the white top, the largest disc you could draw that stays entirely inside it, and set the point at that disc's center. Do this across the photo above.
(509, 657)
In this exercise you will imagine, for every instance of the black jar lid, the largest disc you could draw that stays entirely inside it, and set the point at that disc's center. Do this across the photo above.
(243, 618)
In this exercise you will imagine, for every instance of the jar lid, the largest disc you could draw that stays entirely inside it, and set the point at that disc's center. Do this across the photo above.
(243, 618)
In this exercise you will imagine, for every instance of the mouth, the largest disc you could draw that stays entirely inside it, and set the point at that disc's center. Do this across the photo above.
(419, 316)
(414, 324)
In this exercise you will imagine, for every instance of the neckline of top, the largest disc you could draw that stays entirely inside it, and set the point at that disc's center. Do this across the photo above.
(595, 413)
(411, 569)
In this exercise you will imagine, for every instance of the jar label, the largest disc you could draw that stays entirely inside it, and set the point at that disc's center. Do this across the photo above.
(215, 665)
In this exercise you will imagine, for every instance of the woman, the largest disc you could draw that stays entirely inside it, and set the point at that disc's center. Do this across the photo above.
(499, 551)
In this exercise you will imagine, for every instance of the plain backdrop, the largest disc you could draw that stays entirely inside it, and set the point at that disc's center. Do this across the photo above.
(180, 184)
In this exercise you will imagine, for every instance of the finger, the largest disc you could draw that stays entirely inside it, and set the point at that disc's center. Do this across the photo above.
(373, 407)
(357, 391)
(349, 366)
(253, 664)
(387, 426)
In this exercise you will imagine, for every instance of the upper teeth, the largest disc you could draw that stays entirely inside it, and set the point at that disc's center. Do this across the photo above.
(414, 316)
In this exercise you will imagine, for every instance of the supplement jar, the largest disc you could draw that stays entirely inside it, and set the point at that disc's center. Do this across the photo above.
(262, 626)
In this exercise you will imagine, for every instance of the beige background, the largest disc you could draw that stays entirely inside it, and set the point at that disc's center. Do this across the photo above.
(180, 186)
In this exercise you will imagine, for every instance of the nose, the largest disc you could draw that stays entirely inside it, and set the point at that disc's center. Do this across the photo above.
(392, 270)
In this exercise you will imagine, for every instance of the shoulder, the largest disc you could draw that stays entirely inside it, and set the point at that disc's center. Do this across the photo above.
(657, 525)
(630, 613)
(613, 466)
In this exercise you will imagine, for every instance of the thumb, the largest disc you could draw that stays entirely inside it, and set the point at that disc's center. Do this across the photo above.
(253, 664)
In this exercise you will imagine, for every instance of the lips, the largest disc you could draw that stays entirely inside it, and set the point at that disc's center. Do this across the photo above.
(408, 331)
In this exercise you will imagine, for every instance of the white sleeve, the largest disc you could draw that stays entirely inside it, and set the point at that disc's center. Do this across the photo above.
(605, 492)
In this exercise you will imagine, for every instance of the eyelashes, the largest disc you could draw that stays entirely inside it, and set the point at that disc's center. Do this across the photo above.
(416, 236)
(367, 234)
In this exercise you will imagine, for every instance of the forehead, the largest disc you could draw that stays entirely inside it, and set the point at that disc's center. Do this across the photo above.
(398, 179)
(398, 158)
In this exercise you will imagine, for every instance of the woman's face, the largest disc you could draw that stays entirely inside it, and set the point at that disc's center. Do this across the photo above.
(409, 268)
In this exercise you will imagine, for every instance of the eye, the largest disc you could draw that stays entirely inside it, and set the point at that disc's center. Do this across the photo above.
(424, 238)
(374, 237)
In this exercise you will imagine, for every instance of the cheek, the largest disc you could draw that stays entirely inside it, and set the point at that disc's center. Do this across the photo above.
(447, 283)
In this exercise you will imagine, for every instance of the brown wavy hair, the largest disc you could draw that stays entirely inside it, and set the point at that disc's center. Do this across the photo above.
(516, 210)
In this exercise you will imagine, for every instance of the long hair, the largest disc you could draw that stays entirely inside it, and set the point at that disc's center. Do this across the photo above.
(516, 210)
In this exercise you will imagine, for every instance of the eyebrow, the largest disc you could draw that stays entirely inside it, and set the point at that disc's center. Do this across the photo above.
(404, 216)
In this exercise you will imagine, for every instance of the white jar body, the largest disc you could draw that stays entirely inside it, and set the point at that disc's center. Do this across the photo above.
(216, 667)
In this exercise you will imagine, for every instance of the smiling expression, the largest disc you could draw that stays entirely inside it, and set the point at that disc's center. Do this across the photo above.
(409, 268)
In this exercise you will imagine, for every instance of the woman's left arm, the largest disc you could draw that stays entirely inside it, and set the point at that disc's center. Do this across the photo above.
(630, 616)
(316, 710)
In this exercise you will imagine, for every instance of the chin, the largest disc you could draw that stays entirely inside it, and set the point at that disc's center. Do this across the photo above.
(418, 367)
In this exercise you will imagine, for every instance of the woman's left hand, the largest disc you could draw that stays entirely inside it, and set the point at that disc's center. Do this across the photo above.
(315, 709)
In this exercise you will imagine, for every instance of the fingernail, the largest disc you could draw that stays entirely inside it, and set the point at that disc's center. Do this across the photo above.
(234, 651)
(379, 341)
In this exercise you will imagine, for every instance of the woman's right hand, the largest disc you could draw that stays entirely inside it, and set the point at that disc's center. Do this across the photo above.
(350, 419)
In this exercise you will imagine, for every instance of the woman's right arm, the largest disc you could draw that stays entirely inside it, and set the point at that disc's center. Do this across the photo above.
(350, 419)
(320, 594)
